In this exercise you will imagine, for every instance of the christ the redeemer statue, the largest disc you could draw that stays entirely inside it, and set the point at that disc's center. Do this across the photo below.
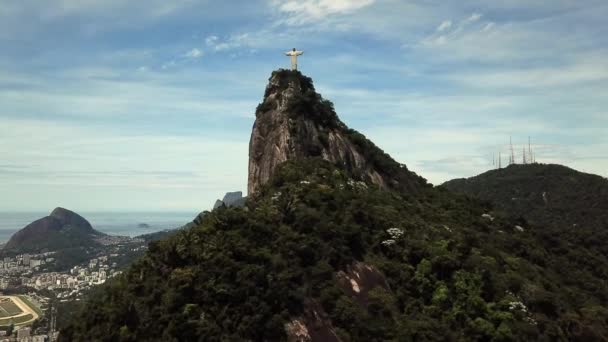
(294, 57)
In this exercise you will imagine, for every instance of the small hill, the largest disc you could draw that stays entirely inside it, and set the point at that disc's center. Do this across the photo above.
(60, 230)
(543, 194)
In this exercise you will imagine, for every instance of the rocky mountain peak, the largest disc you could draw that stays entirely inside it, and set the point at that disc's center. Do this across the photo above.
(294, 121)
(63, 228)
(68, 217)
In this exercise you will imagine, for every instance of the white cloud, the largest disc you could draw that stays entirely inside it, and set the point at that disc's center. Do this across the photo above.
(446, 32)
(114, 169)
(211, 40)
(168, 64)
(31, 18)
(444, 25)
(113, 8)
(105, 93)
(194, 53)
(237, 41)
(301, 12)
(576, 73)
(474, 17)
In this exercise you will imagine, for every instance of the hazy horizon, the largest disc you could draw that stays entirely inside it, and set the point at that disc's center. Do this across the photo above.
(113, 222)
(148, 106)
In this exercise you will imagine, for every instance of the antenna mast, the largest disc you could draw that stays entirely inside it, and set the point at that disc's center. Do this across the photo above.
(530, 151)
(512, 158)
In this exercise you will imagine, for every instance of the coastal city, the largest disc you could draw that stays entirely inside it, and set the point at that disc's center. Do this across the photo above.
(27, 270)
(33, 286)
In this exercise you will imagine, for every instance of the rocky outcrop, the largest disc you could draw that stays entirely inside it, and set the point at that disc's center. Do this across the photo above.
(359, 279)
(218, 203)
(69, 218)
(231, 199)
(313, 325)
(294, 121)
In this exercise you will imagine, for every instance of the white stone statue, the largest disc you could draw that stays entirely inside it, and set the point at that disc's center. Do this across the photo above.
(294, 57)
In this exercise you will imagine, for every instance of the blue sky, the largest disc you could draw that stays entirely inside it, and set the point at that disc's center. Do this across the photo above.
(148, 105)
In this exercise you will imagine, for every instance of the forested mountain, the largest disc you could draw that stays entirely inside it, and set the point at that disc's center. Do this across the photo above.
(546, 194)
(327, 249)
(61, 229)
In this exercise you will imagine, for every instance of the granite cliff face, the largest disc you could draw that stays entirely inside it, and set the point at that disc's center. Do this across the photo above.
(294, 121)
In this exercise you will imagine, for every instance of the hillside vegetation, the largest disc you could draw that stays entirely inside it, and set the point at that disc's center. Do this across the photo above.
(449, 271)
(542, 193)
(572, 203)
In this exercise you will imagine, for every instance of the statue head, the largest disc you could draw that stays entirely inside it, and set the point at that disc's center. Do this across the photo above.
(294, 49)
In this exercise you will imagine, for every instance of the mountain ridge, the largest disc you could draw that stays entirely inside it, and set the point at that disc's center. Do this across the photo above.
(544, 194)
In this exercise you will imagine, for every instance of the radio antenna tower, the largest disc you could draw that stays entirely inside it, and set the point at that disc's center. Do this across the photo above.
(512, 157)
(530, 155)
(529, 150)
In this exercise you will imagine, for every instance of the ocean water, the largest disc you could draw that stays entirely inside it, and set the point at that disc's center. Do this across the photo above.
(114, 223)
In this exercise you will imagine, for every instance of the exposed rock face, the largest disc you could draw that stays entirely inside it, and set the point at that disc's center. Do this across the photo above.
(231, 199)
(359, 279)
(67, 217)
(217, 204)
(313, 325)
(61, 229)
(294, 121)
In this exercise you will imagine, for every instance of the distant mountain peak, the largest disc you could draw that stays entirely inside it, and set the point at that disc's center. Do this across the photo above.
(68, 217)
(63, 228)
